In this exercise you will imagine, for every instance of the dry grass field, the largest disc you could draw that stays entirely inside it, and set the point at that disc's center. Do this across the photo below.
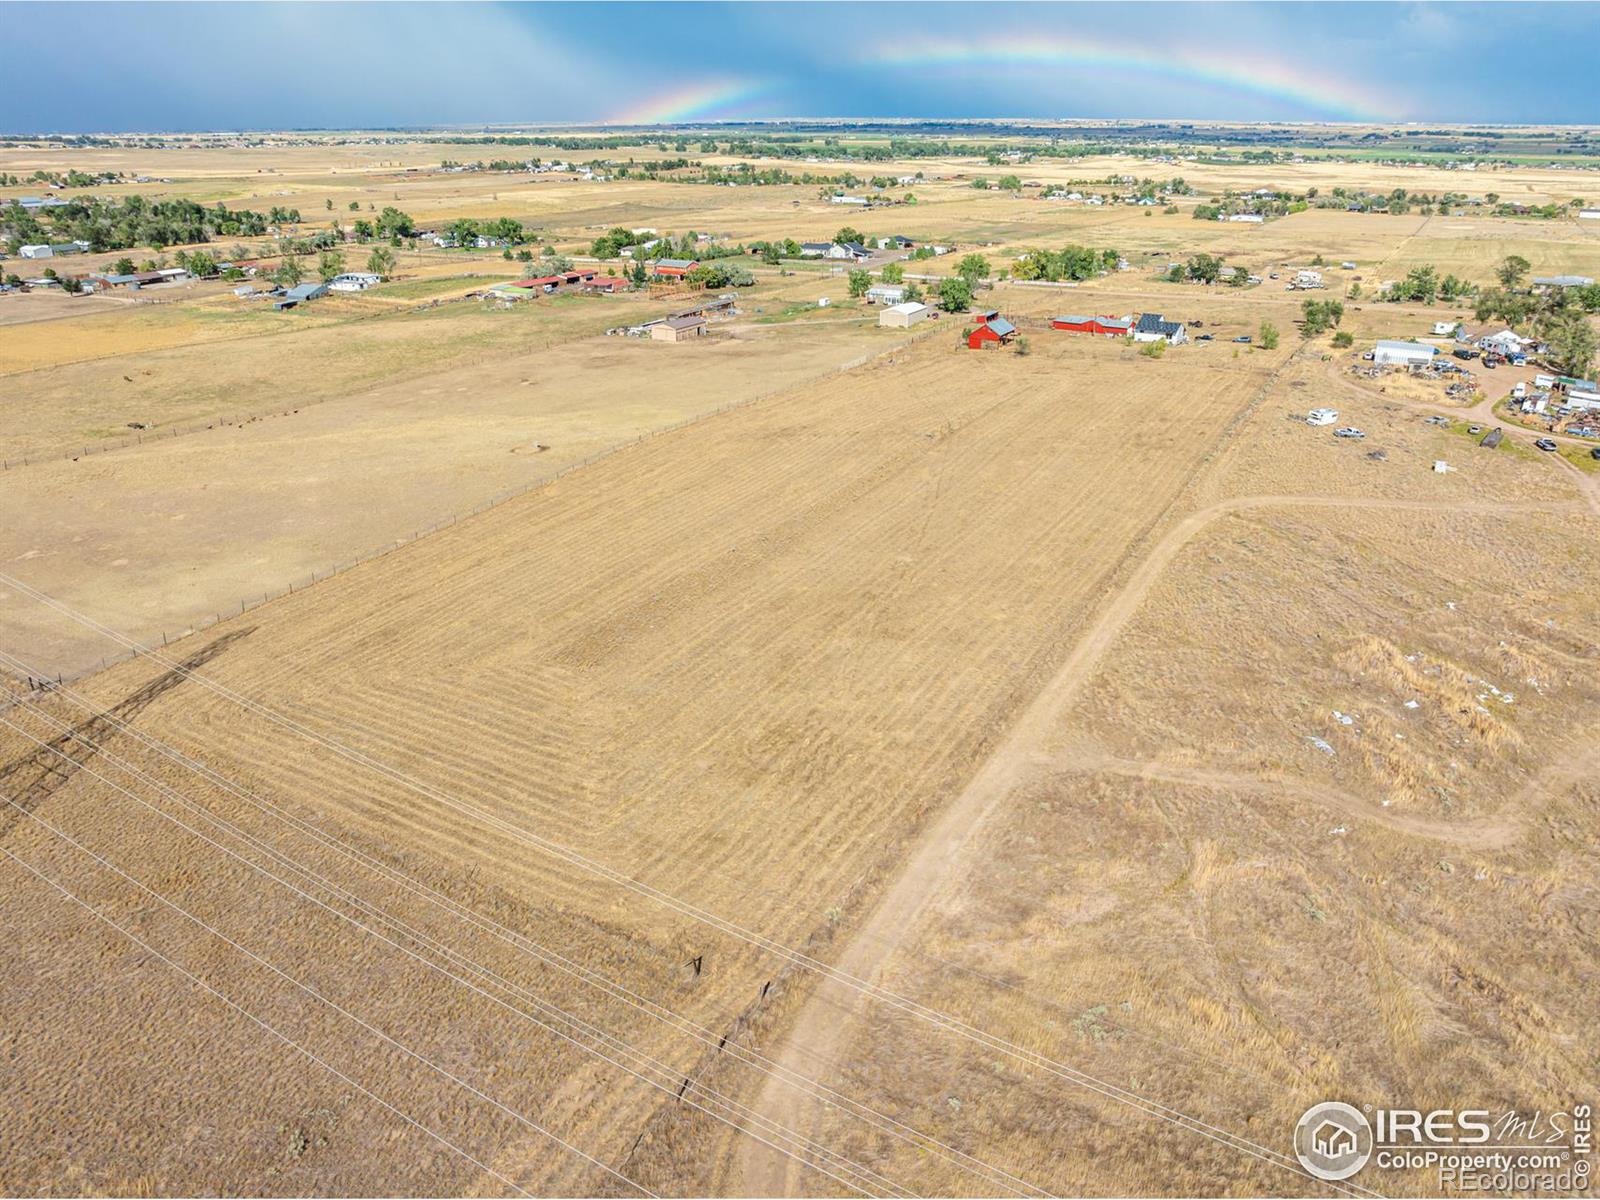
(848, 764)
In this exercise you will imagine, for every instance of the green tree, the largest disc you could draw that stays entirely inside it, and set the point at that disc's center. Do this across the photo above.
(1343, 339)
(290, 271)
(860, 281)
(1204, 268)
(893, 273)
(848, 234)
(124, 266)
(1513, 269)
(1009, 183)
(955, 295)
(330, 264)
(382, 261)
(201, 265)
(1268, 336)
(1572, 344)
(973, 268)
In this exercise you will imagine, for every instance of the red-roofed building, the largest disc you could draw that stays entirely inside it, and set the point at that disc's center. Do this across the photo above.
(605, 283)
(1099, 326)
(674, 268)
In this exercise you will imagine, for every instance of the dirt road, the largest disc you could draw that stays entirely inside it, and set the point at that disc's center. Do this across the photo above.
(823, 1026)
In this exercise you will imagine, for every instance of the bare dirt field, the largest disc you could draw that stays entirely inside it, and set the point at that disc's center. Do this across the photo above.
(848, 764)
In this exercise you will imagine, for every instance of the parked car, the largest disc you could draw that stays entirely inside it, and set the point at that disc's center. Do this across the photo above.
(1546, 445)
(1349, 431)
(1465, 352)
(1202, 337)
(1595, 453)
(1437, 420)
(1489, 364)
(1243, 339)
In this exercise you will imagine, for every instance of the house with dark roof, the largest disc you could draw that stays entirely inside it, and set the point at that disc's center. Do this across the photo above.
(852, 251)
(679, 328)
(815, 249)
(1152, 327)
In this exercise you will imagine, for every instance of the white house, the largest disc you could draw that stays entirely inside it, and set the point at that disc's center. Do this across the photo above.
(1444, 328)
(1589, 214)
(1402, 354)
(1587, 401)
(1152, 328)
(354, 281)
(39, 251)
(885, 293)
(1244, 218)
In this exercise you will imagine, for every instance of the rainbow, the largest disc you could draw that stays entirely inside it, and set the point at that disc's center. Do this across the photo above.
(690, 102)
(1301, 83)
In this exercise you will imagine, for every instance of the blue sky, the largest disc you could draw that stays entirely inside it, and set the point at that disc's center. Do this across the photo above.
(267, 65)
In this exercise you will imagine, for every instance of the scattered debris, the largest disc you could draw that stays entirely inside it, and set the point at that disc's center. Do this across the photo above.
(1412, 704)
(1320, 744)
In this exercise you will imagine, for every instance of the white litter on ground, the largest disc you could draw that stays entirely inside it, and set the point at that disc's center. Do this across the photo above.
(1412, 704)
(1321, 745)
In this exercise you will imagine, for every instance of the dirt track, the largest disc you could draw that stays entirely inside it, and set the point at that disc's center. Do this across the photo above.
(937, 855)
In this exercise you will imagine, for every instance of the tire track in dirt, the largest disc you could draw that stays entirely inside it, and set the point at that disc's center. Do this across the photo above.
(824, 1022)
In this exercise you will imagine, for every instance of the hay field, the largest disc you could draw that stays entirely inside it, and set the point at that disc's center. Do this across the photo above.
(868, 578)
(160, 537)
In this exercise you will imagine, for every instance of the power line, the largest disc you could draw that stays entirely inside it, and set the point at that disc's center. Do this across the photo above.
(566, 854)
(661, 1013)
(250, 1016)
(677, 1084)
(320, 998)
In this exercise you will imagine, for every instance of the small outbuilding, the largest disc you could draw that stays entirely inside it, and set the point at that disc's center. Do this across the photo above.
(679, 329)
(993, 331)
(885, 293)
(674, 268)
(903, 316)
(301, 293)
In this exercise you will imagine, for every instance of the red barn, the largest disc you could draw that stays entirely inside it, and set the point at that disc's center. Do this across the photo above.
(674, 268)
(993, 328)
(987, 315)
(1099, 326)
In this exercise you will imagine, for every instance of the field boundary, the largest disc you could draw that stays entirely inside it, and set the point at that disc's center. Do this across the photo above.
(250, 603)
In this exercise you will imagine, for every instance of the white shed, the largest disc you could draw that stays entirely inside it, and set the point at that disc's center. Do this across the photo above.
(1402, 354)
(903, 316)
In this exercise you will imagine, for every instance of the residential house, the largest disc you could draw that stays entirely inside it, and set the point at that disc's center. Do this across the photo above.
(885, 293)
(1152, 327)
(815, 249)
(354, 281)
(848, 252)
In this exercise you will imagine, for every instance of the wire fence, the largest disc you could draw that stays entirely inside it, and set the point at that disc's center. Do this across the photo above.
(250, 603)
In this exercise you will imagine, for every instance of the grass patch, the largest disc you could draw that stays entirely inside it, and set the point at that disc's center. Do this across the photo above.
(419, 289)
